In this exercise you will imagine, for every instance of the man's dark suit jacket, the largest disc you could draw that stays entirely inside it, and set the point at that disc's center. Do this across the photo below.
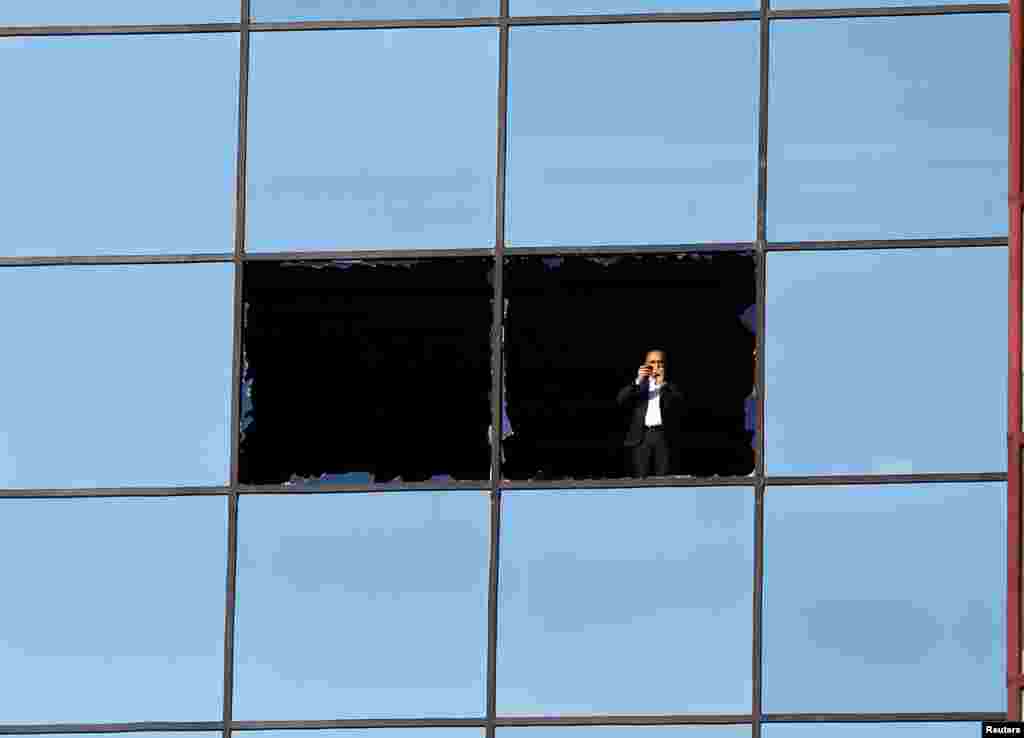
(673, 407)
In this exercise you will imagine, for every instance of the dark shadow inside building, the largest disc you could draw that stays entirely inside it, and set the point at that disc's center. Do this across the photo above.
(366, 371)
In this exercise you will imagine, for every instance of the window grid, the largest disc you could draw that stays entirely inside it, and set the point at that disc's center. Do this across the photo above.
(758, 481)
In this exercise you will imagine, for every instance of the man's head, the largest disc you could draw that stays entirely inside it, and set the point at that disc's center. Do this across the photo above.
(657, 361)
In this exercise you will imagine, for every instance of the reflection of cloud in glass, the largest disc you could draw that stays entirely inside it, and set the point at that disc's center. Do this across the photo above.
(885, 465)
(355, 558)
(697, 583)
(410, 202)
(979, 631)
(853, 628)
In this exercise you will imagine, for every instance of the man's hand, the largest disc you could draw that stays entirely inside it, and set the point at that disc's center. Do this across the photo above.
(644, 373)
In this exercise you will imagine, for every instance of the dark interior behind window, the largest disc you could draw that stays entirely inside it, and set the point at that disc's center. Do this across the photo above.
(367, 371)
(578, 327)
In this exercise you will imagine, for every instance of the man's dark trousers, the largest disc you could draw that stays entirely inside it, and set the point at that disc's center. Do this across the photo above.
(651, 454)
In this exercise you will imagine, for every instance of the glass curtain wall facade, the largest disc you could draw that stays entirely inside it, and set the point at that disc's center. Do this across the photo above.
(166, 166)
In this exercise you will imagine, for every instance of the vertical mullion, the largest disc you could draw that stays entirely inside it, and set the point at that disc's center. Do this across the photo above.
(761, 252)
(497, 385)
(1013, 469)
(229, 611)
(236, 375)
(758, 614)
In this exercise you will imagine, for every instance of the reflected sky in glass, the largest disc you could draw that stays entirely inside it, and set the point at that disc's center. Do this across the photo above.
(115, 610)
(372, 139)
(119, 144)
(384, 599)
(116, 12)
(626, 601)
(886, 362)
(115, 375)
(877, 131)
(632, 134)
(304, 10)
(871, 730)
(897, 592)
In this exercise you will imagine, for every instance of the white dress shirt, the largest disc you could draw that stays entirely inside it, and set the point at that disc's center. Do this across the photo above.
(653, 416)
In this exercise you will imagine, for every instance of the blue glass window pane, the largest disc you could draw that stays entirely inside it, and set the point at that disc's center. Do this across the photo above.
(400, 154)
(898, 593)
(878, 131)
(385, 601)
(305, 10)
(607, 603)
(115, 610)
(886, 362)
(609, 144)
(148, 164)
(116, 12)
(871, 730)
(116, 375)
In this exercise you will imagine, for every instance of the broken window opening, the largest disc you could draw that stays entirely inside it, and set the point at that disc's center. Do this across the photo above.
(366, 371)
(578, 327)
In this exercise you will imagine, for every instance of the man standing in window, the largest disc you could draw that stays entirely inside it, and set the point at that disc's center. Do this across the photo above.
(655, 407)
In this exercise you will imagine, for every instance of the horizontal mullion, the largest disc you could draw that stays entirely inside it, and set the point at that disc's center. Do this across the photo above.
(593, 720)
(875, 12)
(495, 21)
(621, 18)
(882, 717)
(138, 727)
(517, 721)
(337, 25)
(602, 250)
(114, 259)
(358, 723)
(126, 259)
(508, 484)
(869, 479)
(583, 484)
(41, 493)
(905, 243)
(375, 254)
(118, 30)
(280, 489)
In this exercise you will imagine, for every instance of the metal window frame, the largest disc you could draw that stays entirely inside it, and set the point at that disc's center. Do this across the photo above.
(758, 482)
(1015, 437)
